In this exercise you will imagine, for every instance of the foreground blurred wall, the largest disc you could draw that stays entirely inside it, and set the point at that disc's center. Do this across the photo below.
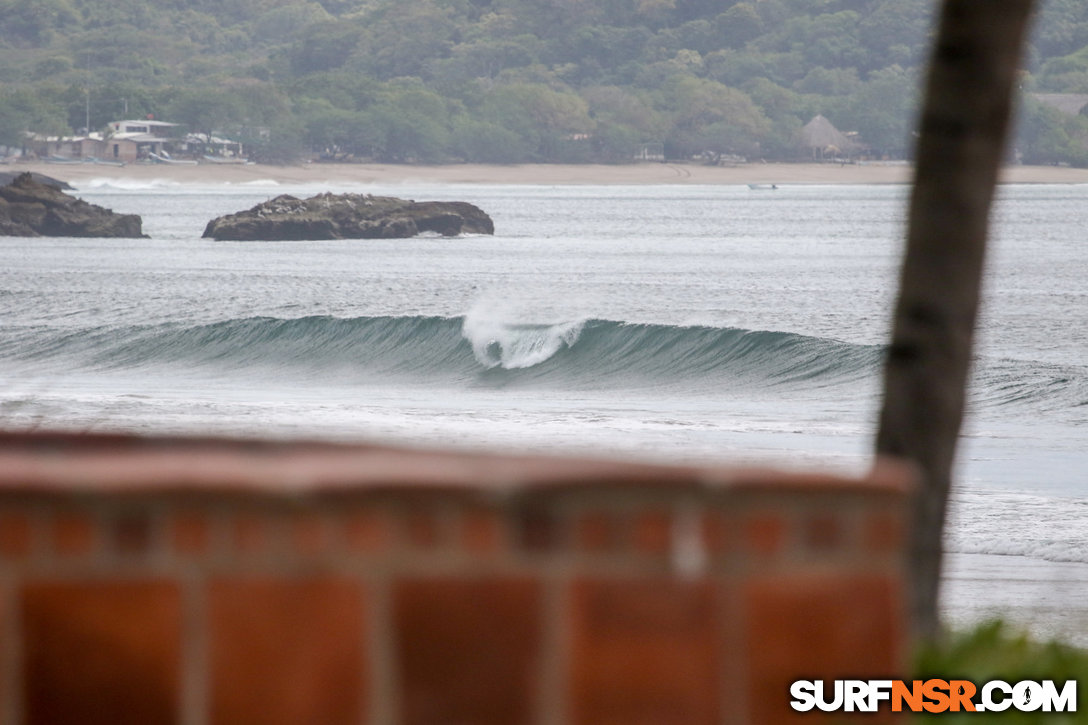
(210, 581)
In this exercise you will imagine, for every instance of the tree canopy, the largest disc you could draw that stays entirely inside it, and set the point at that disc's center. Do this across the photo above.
(508, 80)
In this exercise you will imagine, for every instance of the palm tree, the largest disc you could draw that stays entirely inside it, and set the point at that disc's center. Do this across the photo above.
(964, 123)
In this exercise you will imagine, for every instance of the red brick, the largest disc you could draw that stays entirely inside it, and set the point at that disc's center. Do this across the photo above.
(824, 532)
(310, 533)
(422, 529)
(74, 534)
(467, 650)
(483, 531)
(810, 626)
(764, 533)
(644, 652)
(131, 533)
(101, 652)
(6, 696)
(251, 533)
(538, 530)
(287, 651)
(368, 530)
(651, 532)
(718, 534)
(16, 535)
(884, 532)
(597, 531)
(190, 533)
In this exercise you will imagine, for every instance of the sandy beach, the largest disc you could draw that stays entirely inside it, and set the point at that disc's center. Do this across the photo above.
(548, 174)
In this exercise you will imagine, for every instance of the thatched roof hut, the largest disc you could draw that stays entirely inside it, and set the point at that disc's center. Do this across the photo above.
(823, 140)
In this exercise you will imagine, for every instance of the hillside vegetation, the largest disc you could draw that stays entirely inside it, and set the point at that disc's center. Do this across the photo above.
(507, 80)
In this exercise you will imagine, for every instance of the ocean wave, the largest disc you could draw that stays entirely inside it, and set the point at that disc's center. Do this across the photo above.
(498, 344)
(486, 349)
(460, 350)
(1051, 529)
(1036, 385)
(255, 182)
(121, 184)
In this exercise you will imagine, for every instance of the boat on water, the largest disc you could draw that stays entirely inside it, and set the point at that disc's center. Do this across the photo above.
(55, 159)
(763, 187)
(102, 162)
(224, 160)
(165, 158)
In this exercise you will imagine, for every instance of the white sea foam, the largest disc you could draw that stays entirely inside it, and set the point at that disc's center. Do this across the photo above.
(124, 184)
(497, 342)
(1016, 524)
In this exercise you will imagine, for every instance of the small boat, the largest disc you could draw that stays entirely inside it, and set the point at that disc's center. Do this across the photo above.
(164, 158)
(102, 162)
(223, 160)
(763, 187)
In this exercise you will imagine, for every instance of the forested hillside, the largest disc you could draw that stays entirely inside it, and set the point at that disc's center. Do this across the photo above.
(507, 80)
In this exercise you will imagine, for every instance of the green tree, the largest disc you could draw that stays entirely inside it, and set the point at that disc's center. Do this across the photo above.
(282, 143)
(411, 123)
(543, 118)
(883, 111)
(624, 122)
(487, 143)
(130, 54)
(338, 132)
(830, 82)
(1062, 28)
(101, 14)
(34, 22)
(206, 111)
(708, 117)
(895, 32)
(624, 107)
(829, 40)
(1045, 135)
(1066, 74)
(323, 46)
(23, 110)
(404, 38)
(350, 91)
(409, 136)
(738, 25)
(786, 110)
(280, 24)
(484, 59)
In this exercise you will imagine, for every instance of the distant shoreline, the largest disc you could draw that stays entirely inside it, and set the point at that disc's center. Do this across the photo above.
(548, 174)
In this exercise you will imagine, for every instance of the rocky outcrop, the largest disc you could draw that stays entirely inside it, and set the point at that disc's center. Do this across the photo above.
(30, 208)
(6, 177)
(349, 216)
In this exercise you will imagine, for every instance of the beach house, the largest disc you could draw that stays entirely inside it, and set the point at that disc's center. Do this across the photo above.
(130, 141)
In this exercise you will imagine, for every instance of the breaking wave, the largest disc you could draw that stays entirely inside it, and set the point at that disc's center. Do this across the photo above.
(467, 350)
(477, 350)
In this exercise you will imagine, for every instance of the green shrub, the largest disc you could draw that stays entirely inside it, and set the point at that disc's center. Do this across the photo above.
(994, 651)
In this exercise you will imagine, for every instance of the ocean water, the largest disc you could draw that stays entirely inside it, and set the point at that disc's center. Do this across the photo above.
(675, 323)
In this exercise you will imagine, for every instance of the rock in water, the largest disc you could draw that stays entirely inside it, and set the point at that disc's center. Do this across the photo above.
(348, 216)
(29, 208)
(6, 177)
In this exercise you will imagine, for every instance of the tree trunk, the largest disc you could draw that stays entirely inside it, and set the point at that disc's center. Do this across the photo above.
(964, 121)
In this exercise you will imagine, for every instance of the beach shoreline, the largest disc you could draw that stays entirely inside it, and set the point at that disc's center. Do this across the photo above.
(647, 173)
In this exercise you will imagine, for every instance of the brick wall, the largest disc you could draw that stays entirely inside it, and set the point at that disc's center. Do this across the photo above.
(208, 581)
